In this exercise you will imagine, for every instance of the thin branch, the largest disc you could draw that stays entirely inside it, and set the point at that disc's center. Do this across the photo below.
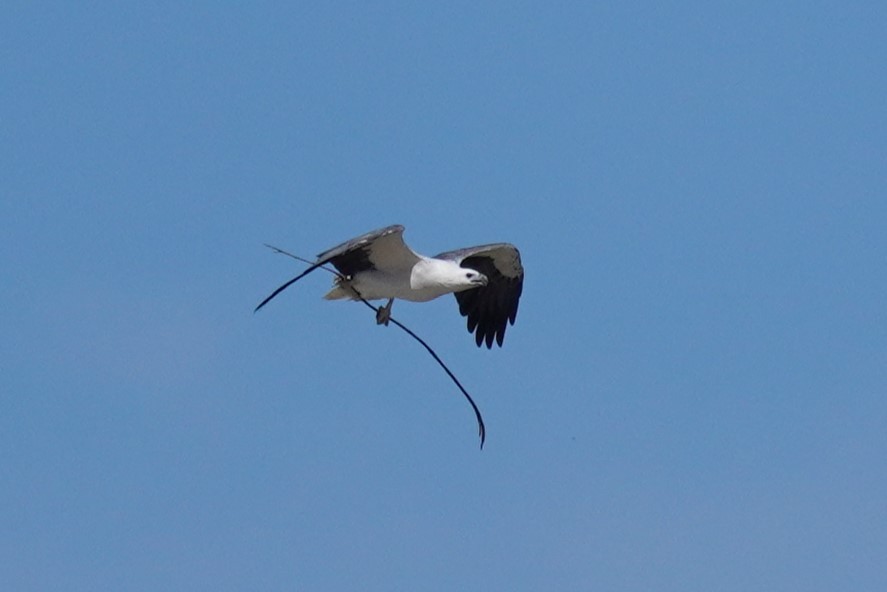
(482, 431)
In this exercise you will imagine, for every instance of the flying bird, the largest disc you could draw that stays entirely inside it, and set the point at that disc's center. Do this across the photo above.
(486, 280)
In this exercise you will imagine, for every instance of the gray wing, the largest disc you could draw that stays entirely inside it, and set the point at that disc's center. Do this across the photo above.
(381, 249)
(491, 308)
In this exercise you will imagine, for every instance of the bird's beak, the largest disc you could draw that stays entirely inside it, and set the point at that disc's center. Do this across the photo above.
(481, 280)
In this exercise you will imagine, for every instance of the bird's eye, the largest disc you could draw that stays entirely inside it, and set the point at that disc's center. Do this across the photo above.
(469, 275)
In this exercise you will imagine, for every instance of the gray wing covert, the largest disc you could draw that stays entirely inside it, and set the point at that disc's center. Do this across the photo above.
(377, 248)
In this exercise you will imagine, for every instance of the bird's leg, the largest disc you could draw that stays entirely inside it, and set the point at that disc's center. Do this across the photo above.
(383, 314)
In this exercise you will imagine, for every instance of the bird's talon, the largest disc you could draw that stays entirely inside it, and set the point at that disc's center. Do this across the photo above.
(383, 313)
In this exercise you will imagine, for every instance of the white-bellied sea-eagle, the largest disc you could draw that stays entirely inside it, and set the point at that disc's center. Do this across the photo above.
(486, 280)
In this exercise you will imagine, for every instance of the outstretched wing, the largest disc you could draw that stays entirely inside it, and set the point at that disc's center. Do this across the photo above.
(381, 249)
(492, 307)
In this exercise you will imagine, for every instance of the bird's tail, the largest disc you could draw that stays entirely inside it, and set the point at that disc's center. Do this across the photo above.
(339, 293)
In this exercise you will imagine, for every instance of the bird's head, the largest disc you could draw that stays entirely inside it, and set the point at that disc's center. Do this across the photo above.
(464, 278)
(474, 279)
(445, 276)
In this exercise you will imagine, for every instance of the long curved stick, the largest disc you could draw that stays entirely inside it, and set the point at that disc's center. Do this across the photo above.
(482, 431)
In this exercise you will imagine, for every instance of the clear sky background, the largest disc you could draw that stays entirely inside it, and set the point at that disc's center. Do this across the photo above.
(692, 398)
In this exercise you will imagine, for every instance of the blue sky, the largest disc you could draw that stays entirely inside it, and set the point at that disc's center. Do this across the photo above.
(692, 397)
